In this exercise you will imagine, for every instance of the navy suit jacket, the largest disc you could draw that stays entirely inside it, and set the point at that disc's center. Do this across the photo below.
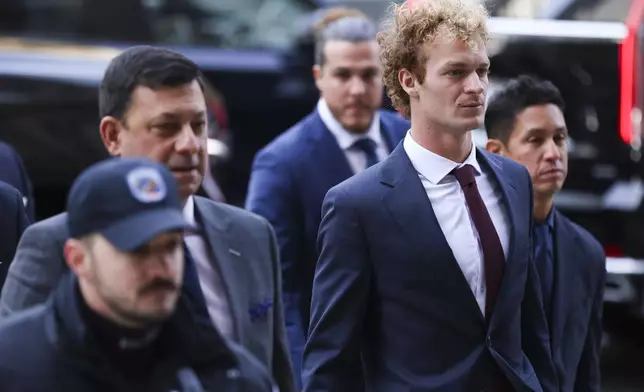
(13, 172)
(576, 318)
(289, 179)
(13, 222)
(390, 302)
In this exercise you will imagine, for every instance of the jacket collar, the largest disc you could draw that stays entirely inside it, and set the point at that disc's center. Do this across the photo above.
(183, 336)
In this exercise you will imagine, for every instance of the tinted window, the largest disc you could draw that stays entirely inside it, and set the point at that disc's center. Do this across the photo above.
(224, 24)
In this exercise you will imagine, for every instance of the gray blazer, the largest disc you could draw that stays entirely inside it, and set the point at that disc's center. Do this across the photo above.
(245, 253)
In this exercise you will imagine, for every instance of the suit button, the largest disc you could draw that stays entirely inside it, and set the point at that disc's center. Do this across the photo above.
(488, 341)
(233, 374)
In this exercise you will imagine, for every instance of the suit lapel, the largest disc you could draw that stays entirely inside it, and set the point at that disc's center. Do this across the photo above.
(326, 151)
(510, 199)
(566, 255)
(219, 242)
(508, 193)
(388, 131)
(408, 204)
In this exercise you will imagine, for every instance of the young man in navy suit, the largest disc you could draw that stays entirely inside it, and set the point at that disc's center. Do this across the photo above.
(425, 280)
(345, 134)
(525, 122)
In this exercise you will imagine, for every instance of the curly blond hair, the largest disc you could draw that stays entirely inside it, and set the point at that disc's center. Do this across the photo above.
(410, 25)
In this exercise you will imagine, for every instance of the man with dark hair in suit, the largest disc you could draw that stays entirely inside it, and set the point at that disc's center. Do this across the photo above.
(425, 281)
(13, 172)
(525, 122)
(13, 222)
(152, 105)
(345, 134)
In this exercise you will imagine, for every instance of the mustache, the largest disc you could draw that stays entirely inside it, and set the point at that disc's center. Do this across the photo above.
(184, 162)
(159, 284)
(472, 103)
(552, 169)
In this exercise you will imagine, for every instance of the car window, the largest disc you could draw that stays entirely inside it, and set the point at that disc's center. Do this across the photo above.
(222, 24)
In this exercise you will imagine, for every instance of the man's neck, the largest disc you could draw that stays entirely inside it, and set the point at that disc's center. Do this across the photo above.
(453, 145)
(130, 350)
(542, 207)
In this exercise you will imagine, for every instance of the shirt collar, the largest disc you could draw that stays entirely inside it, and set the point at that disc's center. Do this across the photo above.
(549, 221)
(189, 211)
(433, 166)
(345, 138)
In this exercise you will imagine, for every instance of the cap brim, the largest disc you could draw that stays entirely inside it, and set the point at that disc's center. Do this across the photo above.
(137, 230)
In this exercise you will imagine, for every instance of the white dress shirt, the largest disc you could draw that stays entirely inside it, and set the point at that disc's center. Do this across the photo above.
(450, 207)
(209, 278)
(357, 159)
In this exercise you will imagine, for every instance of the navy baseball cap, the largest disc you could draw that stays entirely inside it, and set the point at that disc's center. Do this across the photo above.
(127, 200)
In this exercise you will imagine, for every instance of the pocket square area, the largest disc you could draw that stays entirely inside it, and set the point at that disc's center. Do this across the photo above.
(259, 311)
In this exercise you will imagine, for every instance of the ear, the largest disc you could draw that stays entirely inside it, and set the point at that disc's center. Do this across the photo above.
(496, 146)
(408, 82)
(76, 257)
(317, 76)
(111, 135)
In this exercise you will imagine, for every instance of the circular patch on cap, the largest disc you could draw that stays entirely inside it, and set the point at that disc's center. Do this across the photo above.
(146, 185)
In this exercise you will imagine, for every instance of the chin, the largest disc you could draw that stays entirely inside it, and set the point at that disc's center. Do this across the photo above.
(188, 189)
(357, 127)
(548, 189)
(357, 124)
(472, 123)
(160, 310)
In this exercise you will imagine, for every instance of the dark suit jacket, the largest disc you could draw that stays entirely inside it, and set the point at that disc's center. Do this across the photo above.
(388, 293)
(246, 255)
(50, 349)
(13, 172)
(13, 222)
(576, 330)
(289, 179)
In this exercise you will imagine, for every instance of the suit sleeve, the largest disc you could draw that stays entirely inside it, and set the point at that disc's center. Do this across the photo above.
(282, 368)
(34, 271)
(588, 372)
(534, 327)
(340, 292)
(255, 376)
(270, 194)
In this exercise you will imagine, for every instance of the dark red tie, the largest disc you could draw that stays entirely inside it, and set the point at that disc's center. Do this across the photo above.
(493, 258)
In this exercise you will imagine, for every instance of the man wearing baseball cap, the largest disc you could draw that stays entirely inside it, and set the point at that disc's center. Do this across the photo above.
(119, 320)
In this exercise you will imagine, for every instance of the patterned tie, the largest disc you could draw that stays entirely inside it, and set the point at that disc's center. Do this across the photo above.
(368, 147)
(192, 287)
(493, 258)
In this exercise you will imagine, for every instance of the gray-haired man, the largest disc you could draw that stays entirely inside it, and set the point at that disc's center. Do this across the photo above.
(344, 135)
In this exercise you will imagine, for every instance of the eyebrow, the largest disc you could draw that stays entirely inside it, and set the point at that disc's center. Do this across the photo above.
(355, 69)
(532, 131)
(461, 64)
(175, 116)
